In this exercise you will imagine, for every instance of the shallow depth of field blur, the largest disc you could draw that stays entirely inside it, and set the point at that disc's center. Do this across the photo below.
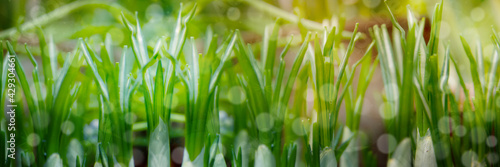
(252, 82)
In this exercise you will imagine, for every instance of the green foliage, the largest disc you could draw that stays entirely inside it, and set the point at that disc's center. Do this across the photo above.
(180, 85)
(91, 75)
(415, 84)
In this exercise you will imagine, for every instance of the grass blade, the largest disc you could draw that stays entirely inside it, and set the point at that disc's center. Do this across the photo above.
(159, 146)
(478, 90)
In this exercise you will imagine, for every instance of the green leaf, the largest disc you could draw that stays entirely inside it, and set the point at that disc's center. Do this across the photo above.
(36, 80)
(236, 159)
(122, 81)
(198, 160)
(281, 72)
(347, 85)
(339, 151)
(445, 74)
(99, 81)
(101, 156)
(347, 152)
(270, 43)
(492, 78)
(252, 74)
(75, 151)
(264, 157)
(48, 71)
(194, 70)
(402, 155)
(424, 153)
(158, 99)
(3, 82)
(77, 163)
(435, 29)
(159, 146)
(225, 56)
(54, 160)
(293, 73)
(292, 155)
(343, 65)
(63, 92)
(327, 158)
(478, 90)
(219, 160)
(242, 142)
(462, 84)
(23, 79)
(393, 19)
(316, 147)
(139, 42)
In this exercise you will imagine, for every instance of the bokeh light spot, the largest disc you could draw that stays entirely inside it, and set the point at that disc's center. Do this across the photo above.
(236, 95)
(468, 158)
(386, 143)
(33, 139)
(177, 154)
(67, 127)
(233, 13)
(477, 14)
(265, 122)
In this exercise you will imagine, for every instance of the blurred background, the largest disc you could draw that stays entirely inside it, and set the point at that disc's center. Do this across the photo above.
(66, 20)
